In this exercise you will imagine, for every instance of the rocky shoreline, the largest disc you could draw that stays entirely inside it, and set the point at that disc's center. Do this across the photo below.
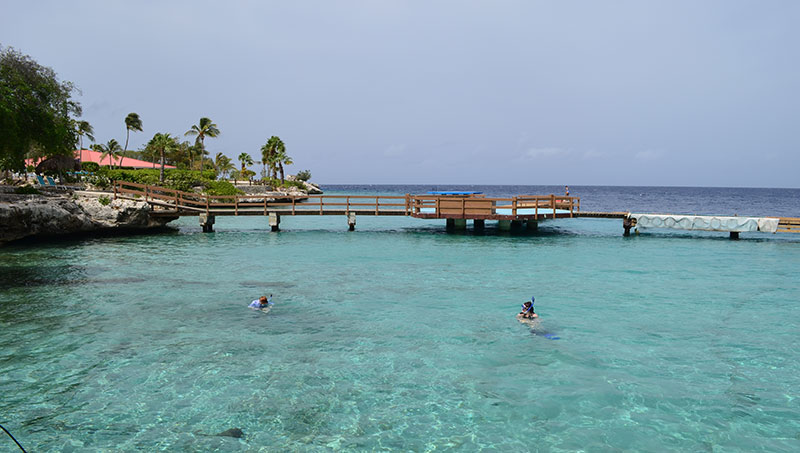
(53, 215)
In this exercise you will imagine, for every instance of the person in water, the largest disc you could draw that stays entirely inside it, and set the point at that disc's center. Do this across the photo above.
(261, 302)
(527, 310)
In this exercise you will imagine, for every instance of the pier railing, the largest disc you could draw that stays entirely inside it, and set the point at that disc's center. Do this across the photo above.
(528, 206)
(171, 201)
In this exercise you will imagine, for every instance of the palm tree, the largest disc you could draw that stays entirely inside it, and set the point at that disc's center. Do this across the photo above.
(281, 158)
(246, 160)
(111, 149)
(132, 123)
(222, 164)
(270, 151)
(205, 128)
(162, 143)
(83, 128)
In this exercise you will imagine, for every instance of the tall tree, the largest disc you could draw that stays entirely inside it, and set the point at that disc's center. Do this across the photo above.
(269, 154)
(83, 128)
(205, 128)
(223, 164)
(36, 111)
(281, 159)
(246, 160)
(162, 144)
(110, 149)
(132, 123)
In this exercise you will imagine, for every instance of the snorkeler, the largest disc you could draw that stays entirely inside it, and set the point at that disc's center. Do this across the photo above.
(261, 302)
(527, 309)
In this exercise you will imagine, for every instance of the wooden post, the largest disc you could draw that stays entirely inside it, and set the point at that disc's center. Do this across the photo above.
(536, 210)
(376, 205)
(571, 203)
(320, 205)
(438, 214)
(514, 206)
(115, 190)
(553, 204)
(294, 201)
(265, 205)
(207, 210)
(463, 207)
(236, 205)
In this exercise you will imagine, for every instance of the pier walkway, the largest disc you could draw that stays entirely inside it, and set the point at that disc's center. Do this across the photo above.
(524, 211)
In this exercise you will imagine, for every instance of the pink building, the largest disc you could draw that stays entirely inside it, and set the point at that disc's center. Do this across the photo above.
(88, 155)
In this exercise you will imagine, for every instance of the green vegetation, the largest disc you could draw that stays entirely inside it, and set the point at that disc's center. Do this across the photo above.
(35, 111)
(132, 123)
(185, 180)
(303, 175)
(83, 128)
(27, 190)
(161, 144)
(110, 149)
(205, 128)
(91, 167)
(221, 188)
(104, 200)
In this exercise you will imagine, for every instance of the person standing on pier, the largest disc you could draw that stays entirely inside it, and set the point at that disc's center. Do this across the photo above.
(566, 190)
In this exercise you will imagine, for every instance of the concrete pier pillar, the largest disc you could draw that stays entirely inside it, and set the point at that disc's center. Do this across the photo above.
(504, 225)
(274, 221)
(516, 225)
(478, 224)
(734, 235)
(207, 222)
(351, 221)
(456, 224)
(532, 225)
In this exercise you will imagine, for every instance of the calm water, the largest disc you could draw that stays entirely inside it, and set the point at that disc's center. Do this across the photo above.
(399, 336)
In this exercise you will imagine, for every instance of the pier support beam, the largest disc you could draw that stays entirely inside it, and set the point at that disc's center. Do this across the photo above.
(516, 225)
(274, 221)
(626, 226)
(351, 221)
(504, 225)
(456, 224)
(734, 235)
(207, 222)
(478, 224)
(532, 225)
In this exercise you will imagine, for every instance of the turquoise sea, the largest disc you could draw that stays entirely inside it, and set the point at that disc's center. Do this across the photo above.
(402, 337)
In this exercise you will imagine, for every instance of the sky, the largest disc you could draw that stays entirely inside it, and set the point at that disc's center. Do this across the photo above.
(655, 93)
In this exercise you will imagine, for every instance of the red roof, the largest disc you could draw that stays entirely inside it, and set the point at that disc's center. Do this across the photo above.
(88, 155)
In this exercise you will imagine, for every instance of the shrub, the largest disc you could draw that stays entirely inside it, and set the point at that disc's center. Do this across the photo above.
(104, 200)
(27, 190)
(221, 188)
(303, 175)
(90, 166)
(99, 181)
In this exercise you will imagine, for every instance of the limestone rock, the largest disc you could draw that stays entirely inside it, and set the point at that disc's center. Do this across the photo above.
(52, 215)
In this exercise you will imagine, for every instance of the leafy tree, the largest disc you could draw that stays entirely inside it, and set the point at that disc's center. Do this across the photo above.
(35, 111)
(111, 149)
(303, 175)
(132, 123)
(205, 128)
(162, 144)
(83, 128)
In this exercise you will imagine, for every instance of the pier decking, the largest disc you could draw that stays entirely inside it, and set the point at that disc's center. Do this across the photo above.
(456, 208)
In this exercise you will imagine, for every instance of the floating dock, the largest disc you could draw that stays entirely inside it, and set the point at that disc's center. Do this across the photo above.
(456, 208)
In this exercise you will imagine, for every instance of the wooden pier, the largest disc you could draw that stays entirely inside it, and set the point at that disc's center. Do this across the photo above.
(524, 211)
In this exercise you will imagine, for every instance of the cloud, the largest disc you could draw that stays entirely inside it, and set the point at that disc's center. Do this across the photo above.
(395, 150)
(540, 153)
(594, 154)
(648, 154)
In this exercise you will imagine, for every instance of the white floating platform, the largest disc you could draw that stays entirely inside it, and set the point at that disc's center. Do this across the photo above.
(706, 223)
